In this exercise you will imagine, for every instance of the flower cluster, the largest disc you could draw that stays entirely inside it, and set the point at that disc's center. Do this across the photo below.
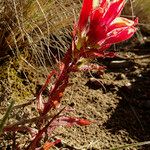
(100, 26)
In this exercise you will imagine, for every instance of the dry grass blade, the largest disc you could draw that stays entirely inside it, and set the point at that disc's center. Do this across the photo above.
(132, 145)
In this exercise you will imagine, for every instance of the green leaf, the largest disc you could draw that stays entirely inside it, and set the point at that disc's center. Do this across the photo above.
(5, 117)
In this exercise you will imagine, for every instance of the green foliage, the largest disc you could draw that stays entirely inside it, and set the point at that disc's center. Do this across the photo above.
(5, 117)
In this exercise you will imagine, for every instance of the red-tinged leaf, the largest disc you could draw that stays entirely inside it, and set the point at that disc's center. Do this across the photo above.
(47, 145)
(103, 47)
(110, 55)
(83, 122)
(40, 103)
(56, 93)
(113, 11)
(66, 121)
(41, 132)
(84, 14)
(70, 121)
(94, 53)
(22, 128)
(120, 34)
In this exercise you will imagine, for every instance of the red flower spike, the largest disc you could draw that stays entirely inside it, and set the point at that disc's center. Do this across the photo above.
(102, 25)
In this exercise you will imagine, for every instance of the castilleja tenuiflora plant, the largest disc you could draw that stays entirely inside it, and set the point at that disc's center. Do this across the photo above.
(99, 26)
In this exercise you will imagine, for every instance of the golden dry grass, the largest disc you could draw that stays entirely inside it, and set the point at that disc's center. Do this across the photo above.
(29, 24)
(32, 32)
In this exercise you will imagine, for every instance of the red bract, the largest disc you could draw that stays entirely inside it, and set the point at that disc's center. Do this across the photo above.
(100, 26)
(47, 145)
(70, 121)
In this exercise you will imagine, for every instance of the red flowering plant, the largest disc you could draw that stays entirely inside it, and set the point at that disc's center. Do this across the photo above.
(99, 26)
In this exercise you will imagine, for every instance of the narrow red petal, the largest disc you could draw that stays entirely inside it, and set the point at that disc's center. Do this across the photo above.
(96, 34)
(95, 16)
(84, 14)
(114, 10)
(120, 35)
(97, 31)
(104, 3)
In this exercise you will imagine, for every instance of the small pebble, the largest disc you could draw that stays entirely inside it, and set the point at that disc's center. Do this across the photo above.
(120, 76)
(128, 85)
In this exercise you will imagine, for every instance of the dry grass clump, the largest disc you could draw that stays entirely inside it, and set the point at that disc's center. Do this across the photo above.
(33, 34)
(28, 24)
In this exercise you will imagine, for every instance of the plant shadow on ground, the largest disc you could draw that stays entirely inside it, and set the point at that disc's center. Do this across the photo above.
(133, 110)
